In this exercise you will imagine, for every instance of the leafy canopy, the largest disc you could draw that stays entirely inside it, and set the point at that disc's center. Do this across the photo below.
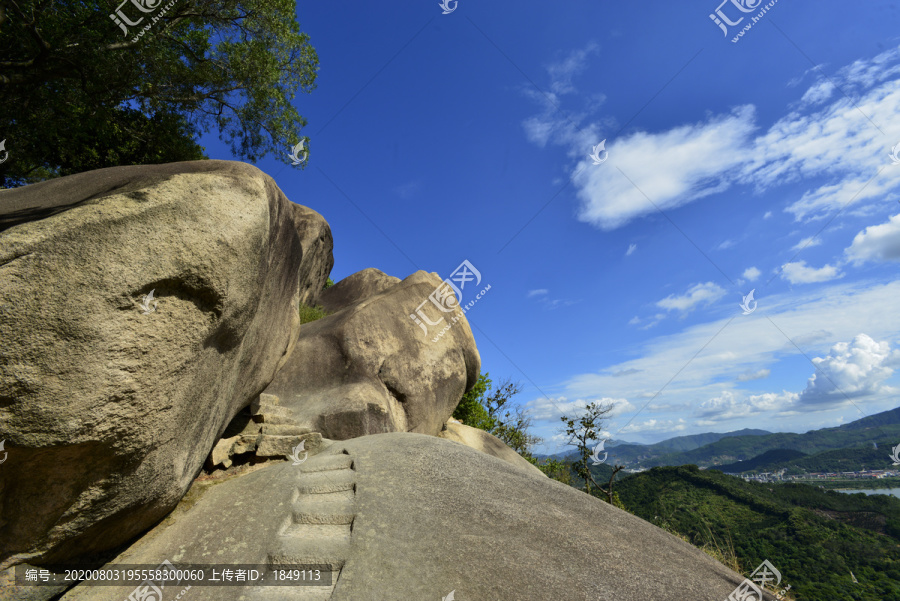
(78, 94)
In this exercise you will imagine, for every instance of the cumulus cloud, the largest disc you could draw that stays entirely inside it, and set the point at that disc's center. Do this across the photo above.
(877, 243)
(705, 293)
(751, 274)
(851, 370)
(798, 272)
(730, 405)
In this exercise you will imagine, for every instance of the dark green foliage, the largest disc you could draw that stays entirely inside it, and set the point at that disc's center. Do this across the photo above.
(814, 537)
(470, 410)
(489, 410)
(78, 94)
(554, 468)
(762, 462)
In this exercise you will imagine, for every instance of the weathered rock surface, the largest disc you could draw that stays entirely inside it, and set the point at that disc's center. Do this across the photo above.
(316, 245)
(486, 443)
(107, 412)
(428, 517)
(355, 288)
(370, 369)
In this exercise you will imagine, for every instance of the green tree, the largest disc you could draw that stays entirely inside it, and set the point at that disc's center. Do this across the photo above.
(488, 409)
(553, 468)
(471, 410)
(581, 431)
(79, 94)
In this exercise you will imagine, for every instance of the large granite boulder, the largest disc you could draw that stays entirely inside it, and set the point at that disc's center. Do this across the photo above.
(355, 288)
(316, 244)
(486, 443)
(369, 368)
(407, 516)
(107, 409)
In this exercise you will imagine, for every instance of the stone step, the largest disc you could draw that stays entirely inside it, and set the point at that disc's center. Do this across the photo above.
(313, 544)
(326, 481)
(324, 508)
(325, 463)
(274, 414)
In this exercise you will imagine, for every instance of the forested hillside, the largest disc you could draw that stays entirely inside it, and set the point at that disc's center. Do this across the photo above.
(815, 538)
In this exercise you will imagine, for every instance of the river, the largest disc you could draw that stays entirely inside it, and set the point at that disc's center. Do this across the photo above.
(874, 491)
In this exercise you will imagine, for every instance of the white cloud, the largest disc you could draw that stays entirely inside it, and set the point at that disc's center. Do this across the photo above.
(731, 405)
(877, 243)
(705, 358)
(552, 408)
(819, 92)
(698, 161)
(756, 375)
(707, 293)
(751, 274)
(854, 369)
(798, 273)
(837, 144)
(655, 425)
(807, 243)
(631, 249)
(539, 292)
(562, 72)
(727, 244)
(554, 125)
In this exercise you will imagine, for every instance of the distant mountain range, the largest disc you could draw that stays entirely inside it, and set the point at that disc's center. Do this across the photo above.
(627, 453)
(860, 434)
(851, 445)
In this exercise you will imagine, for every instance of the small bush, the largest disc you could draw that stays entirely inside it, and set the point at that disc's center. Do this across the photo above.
(308, 314)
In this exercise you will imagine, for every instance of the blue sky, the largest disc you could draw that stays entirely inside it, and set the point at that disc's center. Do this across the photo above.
(762, 164)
